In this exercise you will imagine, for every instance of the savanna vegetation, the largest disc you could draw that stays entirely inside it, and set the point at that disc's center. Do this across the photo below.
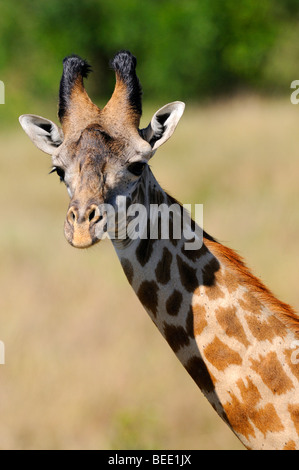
(191, 50)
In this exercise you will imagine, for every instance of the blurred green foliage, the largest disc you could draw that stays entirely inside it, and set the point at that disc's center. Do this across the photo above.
(185, 49)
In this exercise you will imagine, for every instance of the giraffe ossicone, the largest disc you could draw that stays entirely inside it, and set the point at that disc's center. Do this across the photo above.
(235, 339)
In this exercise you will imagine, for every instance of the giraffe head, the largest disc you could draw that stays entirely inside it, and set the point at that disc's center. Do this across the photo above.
(99, 154)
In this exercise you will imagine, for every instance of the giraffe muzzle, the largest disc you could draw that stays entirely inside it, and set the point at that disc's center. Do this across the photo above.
(82, 226)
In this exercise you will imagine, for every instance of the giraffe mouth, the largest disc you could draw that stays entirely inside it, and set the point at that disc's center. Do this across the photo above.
(84, 235)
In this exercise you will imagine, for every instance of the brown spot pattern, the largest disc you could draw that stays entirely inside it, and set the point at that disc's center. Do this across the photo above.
(199, 318)
(128, 269)
(174, 302)
(163, 267)
(250, 302)
(188, 275)
(148, 295)
(237, 416)
(190, 323)
(240, 413)
(209, 272)
(259, 293)
(176, 336)
(294, 412)
(144, 251)
(220, 355)
(214, 292)
(265, 419)
(263, 329)
(194, 255)
(200, 374)
(228, 320)
(230, 280)
(272, 373)
(196, 320)
(290, 445)
(291, 361)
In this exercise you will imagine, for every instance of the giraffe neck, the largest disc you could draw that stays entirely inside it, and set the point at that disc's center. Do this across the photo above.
(229, 332)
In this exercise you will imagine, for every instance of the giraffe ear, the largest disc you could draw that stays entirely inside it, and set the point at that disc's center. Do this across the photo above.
(163, 124)
(43, 132)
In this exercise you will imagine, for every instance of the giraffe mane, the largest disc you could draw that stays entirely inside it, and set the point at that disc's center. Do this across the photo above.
(235, 262)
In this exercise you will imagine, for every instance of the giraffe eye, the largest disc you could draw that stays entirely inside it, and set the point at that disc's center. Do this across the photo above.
(60, 172)
(136, 168)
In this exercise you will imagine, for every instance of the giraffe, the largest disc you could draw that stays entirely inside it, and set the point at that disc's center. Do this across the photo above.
(234, 338)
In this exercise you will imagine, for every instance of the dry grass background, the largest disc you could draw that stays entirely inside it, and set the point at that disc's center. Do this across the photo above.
(85, 367)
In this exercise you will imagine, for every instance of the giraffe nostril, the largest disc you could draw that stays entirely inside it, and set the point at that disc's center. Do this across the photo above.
(72, 216)
(92, 215)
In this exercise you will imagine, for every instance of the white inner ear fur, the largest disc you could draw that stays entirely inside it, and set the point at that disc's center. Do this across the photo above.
(46, 135)
(160, 130)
